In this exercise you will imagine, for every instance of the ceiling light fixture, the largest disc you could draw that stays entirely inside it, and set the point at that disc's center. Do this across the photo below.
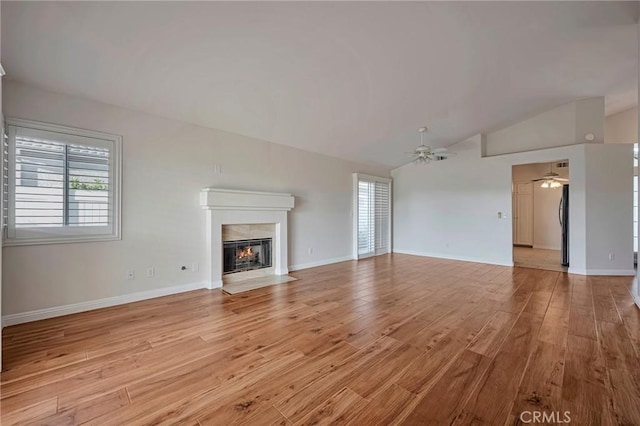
(551, 183)
(551, 179)
(424, 154)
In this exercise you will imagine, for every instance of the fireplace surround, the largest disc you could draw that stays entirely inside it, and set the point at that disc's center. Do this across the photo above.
(232, 207)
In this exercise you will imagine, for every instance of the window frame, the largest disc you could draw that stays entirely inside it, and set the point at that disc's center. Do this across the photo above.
(64, 234)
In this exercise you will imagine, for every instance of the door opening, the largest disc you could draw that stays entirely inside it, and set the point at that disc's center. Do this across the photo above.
(540, 197)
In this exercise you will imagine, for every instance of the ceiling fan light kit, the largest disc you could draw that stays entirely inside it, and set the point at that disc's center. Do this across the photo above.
(551, 183)
(551, 179)
(424, 154)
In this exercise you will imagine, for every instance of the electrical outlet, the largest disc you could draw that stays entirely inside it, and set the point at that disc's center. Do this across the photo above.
(131, 274)
(310, 250)
(195, 267)
(151, 272)
(612, 256)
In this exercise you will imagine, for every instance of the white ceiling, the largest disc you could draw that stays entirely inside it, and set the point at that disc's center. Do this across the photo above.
(352, 80)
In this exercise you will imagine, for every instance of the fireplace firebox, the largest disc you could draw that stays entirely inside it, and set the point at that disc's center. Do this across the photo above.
(246, 255)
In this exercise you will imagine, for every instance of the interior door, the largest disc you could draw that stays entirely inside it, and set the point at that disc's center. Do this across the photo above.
(523, 214)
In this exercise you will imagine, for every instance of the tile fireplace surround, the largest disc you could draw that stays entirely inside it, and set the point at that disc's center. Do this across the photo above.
(231, 207)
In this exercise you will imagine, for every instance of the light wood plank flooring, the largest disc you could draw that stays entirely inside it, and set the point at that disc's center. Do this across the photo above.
(395, 339)
(528, 257)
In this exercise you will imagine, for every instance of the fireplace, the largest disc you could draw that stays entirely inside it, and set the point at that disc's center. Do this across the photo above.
(226, 208)
(246, 255)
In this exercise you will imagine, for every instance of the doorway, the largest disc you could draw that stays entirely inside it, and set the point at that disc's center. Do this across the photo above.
(540, 195)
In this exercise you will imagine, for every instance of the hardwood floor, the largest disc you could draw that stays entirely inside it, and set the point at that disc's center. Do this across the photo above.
(392, 340)
(528, 257)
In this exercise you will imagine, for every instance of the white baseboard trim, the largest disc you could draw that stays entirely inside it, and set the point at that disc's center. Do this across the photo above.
(214, 284)
(603, 272)
(535, 246)
(452, 257)
(319, 263)
(56, 311)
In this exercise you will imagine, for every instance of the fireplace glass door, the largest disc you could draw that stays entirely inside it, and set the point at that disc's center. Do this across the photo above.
(246, 255)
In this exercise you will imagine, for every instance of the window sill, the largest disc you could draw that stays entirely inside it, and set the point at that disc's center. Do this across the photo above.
(59, 240)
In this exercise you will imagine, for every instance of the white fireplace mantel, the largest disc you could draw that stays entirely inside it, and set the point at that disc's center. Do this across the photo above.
(231, 207)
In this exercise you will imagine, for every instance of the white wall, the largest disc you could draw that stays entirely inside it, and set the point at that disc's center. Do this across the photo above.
(622, 127)
(547, 232)
(165, 164)
(1, 207)
(565, 125)
(450, 208)
(609, 203)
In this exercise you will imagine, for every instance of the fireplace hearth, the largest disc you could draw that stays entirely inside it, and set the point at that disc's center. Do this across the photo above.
(246, 255)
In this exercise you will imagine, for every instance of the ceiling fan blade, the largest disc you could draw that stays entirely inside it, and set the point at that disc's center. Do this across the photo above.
(444, 154)
(562, 179)
(538, 180)
(438, 150)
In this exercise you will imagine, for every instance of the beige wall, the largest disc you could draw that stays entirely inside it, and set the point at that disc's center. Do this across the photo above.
(165, 164)
(622, 127)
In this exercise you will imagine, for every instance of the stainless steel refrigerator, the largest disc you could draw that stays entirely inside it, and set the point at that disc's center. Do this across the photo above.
(563, 215)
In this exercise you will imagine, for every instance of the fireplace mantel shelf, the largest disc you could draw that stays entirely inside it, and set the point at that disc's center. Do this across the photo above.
(229, 199)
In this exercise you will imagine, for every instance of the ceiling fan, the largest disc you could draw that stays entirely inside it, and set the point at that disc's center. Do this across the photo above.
(551, 179)
(424, 154)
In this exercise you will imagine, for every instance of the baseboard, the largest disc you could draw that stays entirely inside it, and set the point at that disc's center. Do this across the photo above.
(535, 246)
(636, 295)
(319, 263)
(452, 257)
(603, 272)
(57, 311)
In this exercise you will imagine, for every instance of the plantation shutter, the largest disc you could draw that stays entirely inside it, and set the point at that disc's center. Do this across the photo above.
(89, 196)
(5, 181)
(382, 217)
(59, 184)
(374, 217)
(366, 222)
(39, 182)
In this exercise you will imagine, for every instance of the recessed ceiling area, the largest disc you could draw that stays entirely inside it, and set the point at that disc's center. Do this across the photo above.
(351, 80)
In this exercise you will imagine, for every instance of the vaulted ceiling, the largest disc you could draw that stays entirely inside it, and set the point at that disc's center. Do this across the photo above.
(352, 80)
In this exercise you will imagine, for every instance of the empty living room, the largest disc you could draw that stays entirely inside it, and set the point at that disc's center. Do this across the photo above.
(319, 212)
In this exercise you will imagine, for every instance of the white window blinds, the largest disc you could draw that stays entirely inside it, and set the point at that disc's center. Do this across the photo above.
(366, 217)
(374, 217)
(5, 179)
(382, 214)
(61, 185)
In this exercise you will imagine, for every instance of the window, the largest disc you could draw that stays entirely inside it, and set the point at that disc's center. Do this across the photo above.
(373, 218)
(63, 184)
